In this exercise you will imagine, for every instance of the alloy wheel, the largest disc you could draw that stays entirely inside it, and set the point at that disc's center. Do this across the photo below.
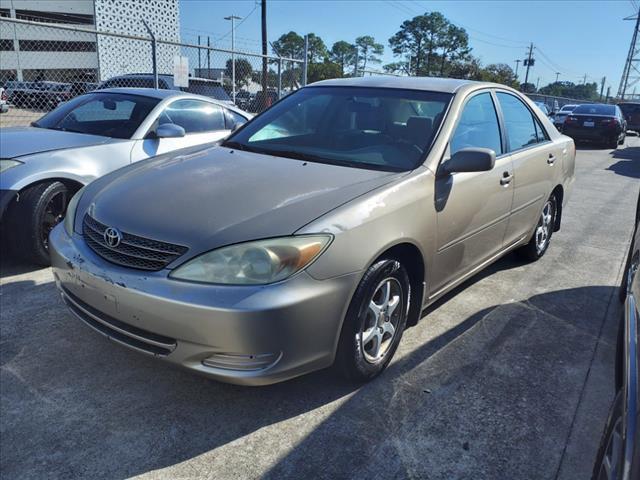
(543, 229)
(611, 467)
(53, 215)
(382, 316)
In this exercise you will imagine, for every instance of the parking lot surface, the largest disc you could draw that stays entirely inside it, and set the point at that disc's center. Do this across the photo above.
(508, 377)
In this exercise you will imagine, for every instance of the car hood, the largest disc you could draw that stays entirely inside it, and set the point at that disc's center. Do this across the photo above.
(21, 141)
(218, 196)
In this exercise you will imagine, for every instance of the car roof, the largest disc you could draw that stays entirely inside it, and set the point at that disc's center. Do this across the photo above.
(433, 84)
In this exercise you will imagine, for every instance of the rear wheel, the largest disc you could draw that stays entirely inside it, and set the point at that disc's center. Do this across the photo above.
(541, 238)
(610, 458)
(375, 321)
(612, 143)
(40, 208)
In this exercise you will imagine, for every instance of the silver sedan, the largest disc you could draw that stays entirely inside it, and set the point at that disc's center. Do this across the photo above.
(43, 165)
(316, 232)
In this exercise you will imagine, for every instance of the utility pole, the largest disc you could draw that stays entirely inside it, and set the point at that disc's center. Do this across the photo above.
(584, 79)
(528, 63)
(208, 56)
(517, 65)
(604, 80)
(305, 65)
(199, 57)
(264, 46)
(608, 94)
(537, 84)
(628, 77)
(233, 19)
(557, 75)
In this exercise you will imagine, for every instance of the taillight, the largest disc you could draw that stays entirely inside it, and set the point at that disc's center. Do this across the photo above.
(571, 119)
(610, 122)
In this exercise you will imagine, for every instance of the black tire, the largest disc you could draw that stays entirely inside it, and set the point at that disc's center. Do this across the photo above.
(353, 358)
(615, 415)
(532, 251)
(621, 141)
(39, 208)
(613, 143)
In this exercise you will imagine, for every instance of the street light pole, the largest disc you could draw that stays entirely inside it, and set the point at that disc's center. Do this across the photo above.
(233, 19)
(557, 75)
(517, 65)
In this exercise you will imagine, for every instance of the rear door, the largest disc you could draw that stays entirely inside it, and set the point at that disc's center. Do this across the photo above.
(534, 158)
(203, 122)
(472, 208)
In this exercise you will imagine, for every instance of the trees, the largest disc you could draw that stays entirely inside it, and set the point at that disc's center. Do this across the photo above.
(368, 50)
(244, 71)
(427, 38)
(588, 91)
(317, 49)
(499, 73)
(323, 71)
(289, 45)
(343, 53)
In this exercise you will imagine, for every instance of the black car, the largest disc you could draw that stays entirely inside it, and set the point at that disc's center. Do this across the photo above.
(631, 112)
(598, 123)
(619, 453)
(198, 86)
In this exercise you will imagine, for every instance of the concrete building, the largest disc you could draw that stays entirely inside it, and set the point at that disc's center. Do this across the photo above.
(33, 53)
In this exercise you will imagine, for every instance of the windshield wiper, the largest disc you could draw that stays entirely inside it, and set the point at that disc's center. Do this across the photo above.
(237, 146)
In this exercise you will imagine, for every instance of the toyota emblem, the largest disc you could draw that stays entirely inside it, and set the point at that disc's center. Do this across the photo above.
(112, 237)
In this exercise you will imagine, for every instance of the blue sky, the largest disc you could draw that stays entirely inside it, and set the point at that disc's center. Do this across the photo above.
(573, 37)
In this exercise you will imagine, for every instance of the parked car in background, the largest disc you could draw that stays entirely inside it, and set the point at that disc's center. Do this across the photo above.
(48, 95)
(599, 123)
(619, 452)
(4, 104)
(244, 99)
(544, 108)
(317, 231)
(21, 93)
(561, 116)
(197, 86)
(631, 112)
(44, 165)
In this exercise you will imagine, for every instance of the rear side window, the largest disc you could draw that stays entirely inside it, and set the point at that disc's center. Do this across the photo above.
(194, 116)
(519, 122)
(478, 126)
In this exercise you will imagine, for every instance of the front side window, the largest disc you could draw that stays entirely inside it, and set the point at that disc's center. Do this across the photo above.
(195, 116)
(107, 114)
(478, 126)
(519, 122)
(374, 128)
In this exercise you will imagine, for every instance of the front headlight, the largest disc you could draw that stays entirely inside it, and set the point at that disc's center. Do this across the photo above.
(254, 263)
(6, 164)
(70, 215)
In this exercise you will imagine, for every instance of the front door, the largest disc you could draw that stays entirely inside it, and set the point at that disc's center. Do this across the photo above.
(472, 209)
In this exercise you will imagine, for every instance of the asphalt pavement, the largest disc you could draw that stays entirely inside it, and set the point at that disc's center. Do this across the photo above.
(508, 377)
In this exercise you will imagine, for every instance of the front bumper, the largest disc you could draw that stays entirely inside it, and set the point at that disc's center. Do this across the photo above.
(249, 335)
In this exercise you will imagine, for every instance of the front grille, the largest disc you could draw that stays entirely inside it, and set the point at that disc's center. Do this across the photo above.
(121, 332)
(133, 251)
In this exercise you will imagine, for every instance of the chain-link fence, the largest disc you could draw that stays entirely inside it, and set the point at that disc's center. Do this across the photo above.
(44, 64)
(555, 103)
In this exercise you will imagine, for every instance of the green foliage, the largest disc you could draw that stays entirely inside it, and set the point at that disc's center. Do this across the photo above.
(344, 54)
(528, 88)
(317, 49)
(244, 72)
(368, 51)
(432, 42)
(323, 71)
(499, 73)
(588, 91)
(289, 45)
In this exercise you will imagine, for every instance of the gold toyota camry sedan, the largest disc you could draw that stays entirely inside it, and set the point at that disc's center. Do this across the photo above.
(317, 231)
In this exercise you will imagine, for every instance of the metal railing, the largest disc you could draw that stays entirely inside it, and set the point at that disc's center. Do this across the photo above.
(45, 64)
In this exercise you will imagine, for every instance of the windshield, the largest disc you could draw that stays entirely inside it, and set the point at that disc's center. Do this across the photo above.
(114, 115)
(595, 109)
(374, 128)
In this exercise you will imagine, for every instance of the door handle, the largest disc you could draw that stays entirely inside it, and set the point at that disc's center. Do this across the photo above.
(506, 178)
(552, 159)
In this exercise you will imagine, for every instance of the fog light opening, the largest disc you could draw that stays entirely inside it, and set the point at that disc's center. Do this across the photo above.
(242, 362)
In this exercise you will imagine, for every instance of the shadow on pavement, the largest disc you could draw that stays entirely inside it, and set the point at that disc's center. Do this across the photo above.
(497, 391)
(628, 163)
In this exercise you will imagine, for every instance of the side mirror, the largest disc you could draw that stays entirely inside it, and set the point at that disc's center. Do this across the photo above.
(170, 130)
(470, 160)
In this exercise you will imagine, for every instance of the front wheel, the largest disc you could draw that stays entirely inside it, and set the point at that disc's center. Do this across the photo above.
(375, 321)
(39, 209)
(541, 238)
